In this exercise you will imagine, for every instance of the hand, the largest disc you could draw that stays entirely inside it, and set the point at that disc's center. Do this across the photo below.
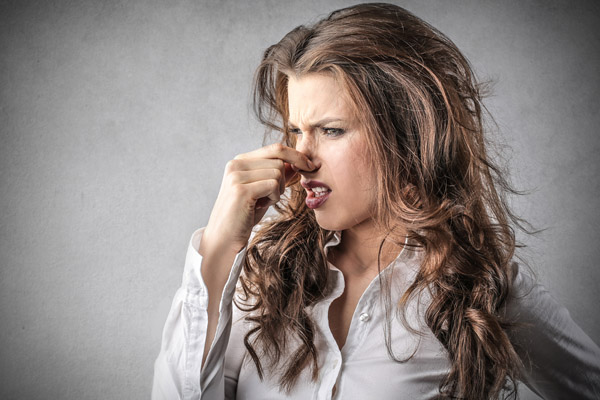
(251, 183)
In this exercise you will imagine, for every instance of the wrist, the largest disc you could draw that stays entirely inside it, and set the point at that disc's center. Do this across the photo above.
(209, 246)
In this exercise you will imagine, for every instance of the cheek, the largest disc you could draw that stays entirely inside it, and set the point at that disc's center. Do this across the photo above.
(349, 165)
(359, 175)
(365, 170)
(367, 175)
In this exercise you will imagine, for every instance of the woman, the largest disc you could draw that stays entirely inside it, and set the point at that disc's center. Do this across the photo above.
(387, 271)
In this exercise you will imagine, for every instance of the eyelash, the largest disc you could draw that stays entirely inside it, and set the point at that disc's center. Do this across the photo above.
(328, 131)
(333, 131)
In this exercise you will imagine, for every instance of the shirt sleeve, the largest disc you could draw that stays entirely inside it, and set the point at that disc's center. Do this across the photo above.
(560, 360)
(178, 371)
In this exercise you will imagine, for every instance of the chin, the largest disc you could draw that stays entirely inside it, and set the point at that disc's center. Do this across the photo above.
(334, 222)
(329, 224)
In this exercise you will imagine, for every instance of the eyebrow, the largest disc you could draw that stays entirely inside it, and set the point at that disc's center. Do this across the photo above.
(319, 123)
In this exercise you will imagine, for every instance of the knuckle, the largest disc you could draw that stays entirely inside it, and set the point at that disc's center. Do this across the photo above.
(234, 176)
(232, 165)
(239, 190)
(278, 174)
(278, 147)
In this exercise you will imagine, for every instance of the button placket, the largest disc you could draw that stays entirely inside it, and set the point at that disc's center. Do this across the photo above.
(359, 327)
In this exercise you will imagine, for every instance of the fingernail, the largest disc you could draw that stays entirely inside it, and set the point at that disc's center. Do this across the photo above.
(311, 165)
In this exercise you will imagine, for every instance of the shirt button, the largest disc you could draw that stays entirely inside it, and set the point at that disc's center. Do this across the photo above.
(364, 317)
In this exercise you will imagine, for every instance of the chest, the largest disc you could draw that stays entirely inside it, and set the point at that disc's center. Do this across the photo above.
(342, 309)
(353, 333)
(362, 368)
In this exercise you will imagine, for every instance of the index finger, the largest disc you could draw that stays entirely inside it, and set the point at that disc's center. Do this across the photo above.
(281, 152)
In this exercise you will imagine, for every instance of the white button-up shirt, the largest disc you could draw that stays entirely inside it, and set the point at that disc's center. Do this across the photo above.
(561, 361)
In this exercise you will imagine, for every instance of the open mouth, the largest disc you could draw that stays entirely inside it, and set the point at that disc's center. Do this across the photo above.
(318, 192)
(316, 197)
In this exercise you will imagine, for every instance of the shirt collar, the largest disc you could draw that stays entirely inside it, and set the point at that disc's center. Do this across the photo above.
(404, 254)
(335, 240)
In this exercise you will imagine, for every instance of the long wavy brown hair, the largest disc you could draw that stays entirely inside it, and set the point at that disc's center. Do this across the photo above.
(421, 105)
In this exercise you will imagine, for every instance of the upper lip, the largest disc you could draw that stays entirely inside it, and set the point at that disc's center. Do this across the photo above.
(313, 184)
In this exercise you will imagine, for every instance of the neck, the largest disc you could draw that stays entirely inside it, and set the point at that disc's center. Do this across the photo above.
(358, 250)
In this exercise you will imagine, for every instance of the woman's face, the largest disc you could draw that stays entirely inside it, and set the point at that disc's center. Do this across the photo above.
(328, 132)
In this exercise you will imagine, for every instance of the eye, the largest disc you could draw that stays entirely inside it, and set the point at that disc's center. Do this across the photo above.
(294, 131)
(333, 131)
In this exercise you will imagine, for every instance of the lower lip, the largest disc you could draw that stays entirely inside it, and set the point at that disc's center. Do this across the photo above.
(316, 202)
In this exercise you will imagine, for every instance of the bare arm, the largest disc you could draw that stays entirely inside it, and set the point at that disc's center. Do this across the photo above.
(251, 183)
(215, 278)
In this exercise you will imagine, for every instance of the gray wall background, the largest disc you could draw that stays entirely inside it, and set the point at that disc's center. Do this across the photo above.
(116, 121)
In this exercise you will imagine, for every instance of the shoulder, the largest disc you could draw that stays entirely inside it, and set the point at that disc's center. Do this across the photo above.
(531, 305)
(559, 359)
(531, 308)
(528, 297)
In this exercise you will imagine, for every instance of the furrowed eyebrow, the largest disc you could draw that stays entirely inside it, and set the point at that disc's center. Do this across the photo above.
(317, 124)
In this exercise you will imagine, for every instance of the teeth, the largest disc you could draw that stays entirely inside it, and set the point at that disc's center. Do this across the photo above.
(320, 191)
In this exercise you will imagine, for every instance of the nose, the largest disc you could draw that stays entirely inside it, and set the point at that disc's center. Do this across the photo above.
(307, 145)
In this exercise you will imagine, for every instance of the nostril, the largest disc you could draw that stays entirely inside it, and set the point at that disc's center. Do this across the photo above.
(307, 171)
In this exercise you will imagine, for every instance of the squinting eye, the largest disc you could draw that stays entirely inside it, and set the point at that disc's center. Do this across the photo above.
(333, 131)
(294, 131)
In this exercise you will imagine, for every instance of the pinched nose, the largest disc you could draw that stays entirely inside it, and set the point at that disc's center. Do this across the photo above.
(308, 144)
(299, 170)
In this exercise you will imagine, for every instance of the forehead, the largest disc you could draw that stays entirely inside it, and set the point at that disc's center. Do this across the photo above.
(315, 97)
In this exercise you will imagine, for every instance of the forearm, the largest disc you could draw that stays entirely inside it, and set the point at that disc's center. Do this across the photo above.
(179, 368)
(216, 267)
